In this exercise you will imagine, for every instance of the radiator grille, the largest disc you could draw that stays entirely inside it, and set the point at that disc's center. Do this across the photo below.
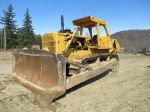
(49, 42)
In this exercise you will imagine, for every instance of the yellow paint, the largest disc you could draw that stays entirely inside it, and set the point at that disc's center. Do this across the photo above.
(75, 44)
(25, 48)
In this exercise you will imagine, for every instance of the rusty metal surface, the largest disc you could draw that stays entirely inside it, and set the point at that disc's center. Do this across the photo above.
(83, 76)
(47, 94)
(40, 71)
(83, 59)
(44, 73)
(62, 71)
(79, 65)
(83, 62)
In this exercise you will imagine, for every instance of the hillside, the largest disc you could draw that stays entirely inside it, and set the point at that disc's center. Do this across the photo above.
(131, 40)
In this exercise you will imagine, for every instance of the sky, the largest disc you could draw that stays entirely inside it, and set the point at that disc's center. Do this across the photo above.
(45, 14)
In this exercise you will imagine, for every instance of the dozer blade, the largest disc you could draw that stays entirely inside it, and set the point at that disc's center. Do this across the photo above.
(40, 71)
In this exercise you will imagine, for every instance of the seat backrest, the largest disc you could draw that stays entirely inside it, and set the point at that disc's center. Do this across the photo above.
(94, 37)
(93, 40)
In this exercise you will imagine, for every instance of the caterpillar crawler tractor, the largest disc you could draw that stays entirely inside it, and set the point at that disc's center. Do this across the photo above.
(144, 50)
(66, 59)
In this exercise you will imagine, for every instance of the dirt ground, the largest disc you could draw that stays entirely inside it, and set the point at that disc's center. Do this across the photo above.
(128, 90)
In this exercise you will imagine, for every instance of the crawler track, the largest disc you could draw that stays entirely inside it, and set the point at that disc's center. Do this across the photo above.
(84, 63)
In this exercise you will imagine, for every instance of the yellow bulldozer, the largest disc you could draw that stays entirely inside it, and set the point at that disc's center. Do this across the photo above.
(144, 50)
(66, 59)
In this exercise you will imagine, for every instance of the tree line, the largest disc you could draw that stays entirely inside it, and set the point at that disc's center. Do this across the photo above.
(17, 37)
(131, 40)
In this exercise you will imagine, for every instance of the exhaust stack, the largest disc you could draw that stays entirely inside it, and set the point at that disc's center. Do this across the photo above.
(62, 23)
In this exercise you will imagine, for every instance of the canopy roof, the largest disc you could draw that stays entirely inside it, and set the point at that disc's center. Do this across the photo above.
(88, 21)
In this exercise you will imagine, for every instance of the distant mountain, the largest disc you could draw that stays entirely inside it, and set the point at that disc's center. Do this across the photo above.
(131, 40)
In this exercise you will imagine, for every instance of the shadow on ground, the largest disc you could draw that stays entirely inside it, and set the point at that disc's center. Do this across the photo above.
(83, 84)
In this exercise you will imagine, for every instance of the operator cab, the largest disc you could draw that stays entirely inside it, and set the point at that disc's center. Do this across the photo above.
(91, 23)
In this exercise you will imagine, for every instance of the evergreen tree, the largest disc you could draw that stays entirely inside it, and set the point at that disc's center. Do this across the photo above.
(38, 40)
(20, 37)
(9, 22)
(1, 38)
(27, 30)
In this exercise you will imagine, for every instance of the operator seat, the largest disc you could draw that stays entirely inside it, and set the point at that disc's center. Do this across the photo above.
(93, 40)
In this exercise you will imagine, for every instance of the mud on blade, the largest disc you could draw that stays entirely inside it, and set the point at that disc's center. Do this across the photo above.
(40, 71)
